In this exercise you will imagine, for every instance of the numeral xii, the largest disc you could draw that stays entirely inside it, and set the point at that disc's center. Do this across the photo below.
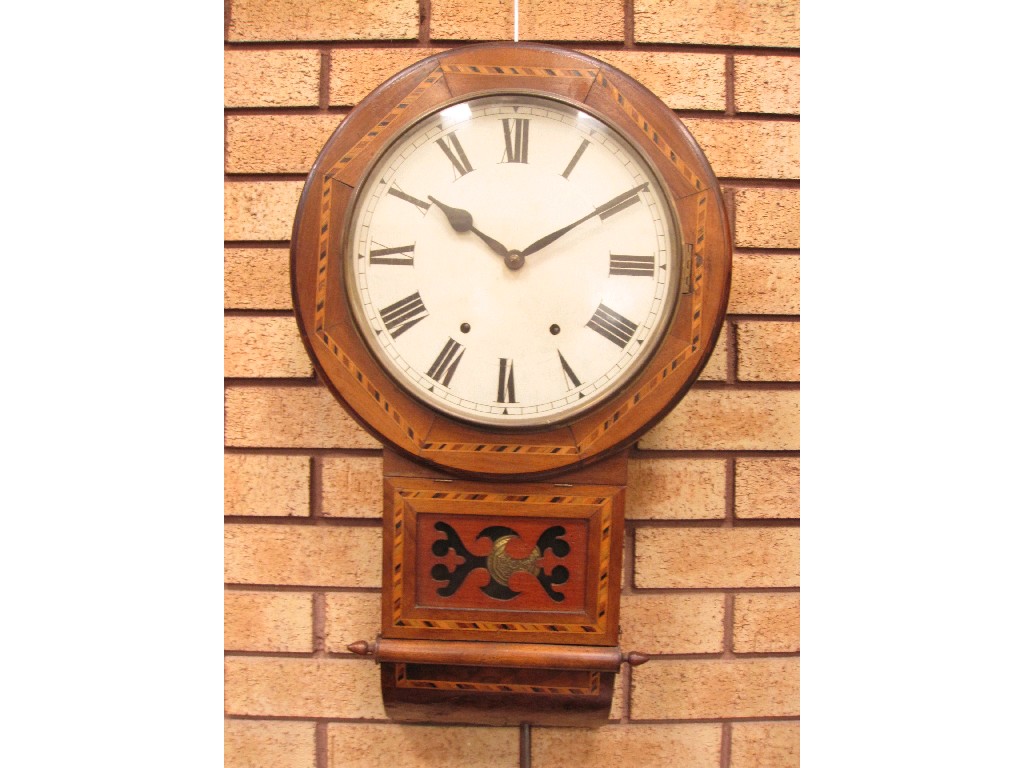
(517, 139)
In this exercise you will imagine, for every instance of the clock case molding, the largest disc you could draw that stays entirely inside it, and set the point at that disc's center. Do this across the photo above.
(450, 484)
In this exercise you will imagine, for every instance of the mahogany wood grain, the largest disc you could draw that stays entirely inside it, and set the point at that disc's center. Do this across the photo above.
(523, 655)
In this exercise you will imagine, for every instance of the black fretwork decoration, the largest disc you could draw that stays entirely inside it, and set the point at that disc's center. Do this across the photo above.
(500, 566)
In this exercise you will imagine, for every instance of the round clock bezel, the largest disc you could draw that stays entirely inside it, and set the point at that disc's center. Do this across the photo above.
(651, 343)
(422, 433)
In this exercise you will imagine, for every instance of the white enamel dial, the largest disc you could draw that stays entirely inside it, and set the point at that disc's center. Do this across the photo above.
(513, 260)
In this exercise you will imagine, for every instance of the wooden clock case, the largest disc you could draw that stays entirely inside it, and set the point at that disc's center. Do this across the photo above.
(503, 546)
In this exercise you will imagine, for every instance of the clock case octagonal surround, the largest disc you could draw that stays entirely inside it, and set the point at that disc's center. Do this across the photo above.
(320, 236)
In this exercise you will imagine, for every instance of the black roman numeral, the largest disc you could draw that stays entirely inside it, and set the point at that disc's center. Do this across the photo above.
(612, 326)
(456, 154)
(571, 379)
(517, 139)
(400, 255)
(638, 266)
(506, 381)
(394, 190)
(403, 314)
(444, 366)
(576, 158)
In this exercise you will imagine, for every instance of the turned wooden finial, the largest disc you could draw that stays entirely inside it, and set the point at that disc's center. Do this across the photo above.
(635, 658)
(363, 648)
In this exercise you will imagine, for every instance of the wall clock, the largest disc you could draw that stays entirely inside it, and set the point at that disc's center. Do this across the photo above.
(508, 262)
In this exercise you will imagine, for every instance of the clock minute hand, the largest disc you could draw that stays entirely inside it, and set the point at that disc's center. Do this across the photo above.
(614, 205)
(461, 220)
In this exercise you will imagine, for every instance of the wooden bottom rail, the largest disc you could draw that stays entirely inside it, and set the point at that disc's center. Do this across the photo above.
(521, 655)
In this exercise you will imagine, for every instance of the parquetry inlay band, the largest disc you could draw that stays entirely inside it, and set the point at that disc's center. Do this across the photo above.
(327, 236)
(402, 680)
(652, 383)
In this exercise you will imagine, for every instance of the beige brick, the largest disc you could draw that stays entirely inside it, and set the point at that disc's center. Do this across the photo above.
(766, 623)
(267, 686)
(768, 351)
(767, 488)
(758, 745)
(720, 558)
(774, 23)
(275, 486)
(676, 489)
(765, 284)
(357, 71)
(752, 149)
(579, 20)
(617, 709)
(261, 743)
(472, 19)
(737, 420)
(769, 84)
(268, 621)
(699, 689)
(260, 210)
(252, 20)
(351, 616)
(276, 143)
(302, 555)
(268, 347)
(289, 417)
(716, 368)
(681, 80)
(257, 278)
(538, 20)
(767, 218)
(352, 486)
(672, 623)
(271, 78)
(696, 745)
(351, 745)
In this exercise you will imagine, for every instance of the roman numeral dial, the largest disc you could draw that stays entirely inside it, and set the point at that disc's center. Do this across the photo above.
(575, 158)
(571, 379)
(506, 382)
(613, 326)
(403, 314)
(452, 148)
(512, 261)
(517, 139)
(396, 192)
(400, 255)
(447, 361)
(631, 266)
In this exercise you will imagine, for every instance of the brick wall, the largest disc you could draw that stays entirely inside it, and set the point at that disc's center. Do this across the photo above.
(712, 564)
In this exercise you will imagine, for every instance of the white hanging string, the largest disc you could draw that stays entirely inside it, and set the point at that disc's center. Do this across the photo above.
(515, 21)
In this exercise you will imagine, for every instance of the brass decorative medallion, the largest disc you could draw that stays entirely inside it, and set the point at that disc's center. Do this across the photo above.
(499, 564)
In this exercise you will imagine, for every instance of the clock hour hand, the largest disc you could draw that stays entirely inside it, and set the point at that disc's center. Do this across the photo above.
(461, 220)
(614, 205)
